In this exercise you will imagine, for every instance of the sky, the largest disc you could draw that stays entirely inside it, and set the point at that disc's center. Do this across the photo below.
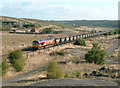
(61, 9)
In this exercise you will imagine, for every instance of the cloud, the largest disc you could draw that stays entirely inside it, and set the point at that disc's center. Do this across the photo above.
(60, 9)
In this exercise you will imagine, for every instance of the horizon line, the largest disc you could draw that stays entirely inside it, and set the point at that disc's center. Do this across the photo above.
(61, 19)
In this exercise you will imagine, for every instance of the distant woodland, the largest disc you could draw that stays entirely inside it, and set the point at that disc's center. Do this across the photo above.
(92, 23)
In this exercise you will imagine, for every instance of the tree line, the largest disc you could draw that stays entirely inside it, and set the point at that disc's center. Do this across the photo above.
(92, 23)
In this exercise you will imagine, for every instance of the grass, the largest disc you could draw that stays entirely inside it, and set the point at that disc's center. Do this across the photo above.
(19, 38)
(10, 41)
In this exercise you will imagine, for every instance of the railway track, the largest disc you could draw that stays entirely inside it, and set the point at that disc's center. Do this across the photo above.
(84, 36)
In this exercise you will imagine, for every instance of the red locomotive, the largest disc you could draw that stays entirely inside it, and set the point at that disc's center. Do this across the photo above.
(41, 43)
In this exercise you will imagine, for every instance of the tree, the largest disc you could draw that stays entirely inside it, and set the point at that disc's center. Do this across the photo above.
(17, 60)
(80, 42)
(95, 55)
(53, 71)
(5, 67)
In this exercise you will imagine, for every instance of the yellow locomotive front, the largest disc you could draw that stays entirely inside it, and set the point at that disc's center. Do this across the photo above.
(36, 44)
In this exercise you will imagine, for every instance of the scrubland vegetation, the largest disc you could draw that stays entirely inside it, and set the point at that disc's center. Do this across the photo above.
(5, 67)
(47, 31)
(53, 71)
(17, 60)
(80, 41)
(95, 55)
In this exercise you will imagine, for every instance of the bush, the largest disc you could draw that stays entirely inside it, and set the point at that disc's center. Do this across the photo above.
(47, 31)
(111, 33)
(95, 55)
(115, 32)
(93, 31)
(5, 67)
(66, 75)
(78, 74)
(19, 65)
(106, 34)
(118, 37)
(53, 71)
(80, 42)
(17, 60)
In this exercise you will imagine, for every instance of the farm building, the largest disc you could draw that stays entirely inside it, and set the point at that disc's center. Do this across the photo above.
(27, 30)
(20, 30)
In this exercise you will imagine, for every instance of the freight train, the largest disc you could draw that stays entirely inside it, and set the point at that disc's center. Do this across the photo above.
(37, 44)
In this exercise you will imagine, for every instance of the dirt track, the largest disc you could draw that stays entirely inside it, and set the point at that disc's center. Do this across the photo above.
(111, 60)
(75, 82)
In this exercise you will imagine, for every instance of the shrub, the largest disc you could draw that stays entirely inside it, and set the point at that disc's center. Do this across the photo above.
(115, 32)
(95, 55)
(118, 37)
(19, 65)
(78, 74)
(5, 67)
(47, 31)
(53, 71)
(93, 31)
(119, 32)
(66, 75)
(17, 60)
(106, 34)
(111, 33)
(80, 42)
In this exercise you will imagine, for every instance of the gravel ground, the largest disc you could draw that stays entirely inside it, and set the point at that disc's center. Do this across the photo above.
(77, 52)
(113, 47)
(111, 60)
(74, 82)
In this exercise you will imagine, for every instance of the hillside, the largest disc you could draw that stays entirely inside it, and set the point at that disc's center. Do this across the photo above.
(69, 27)
(19, 22)
(92, 23)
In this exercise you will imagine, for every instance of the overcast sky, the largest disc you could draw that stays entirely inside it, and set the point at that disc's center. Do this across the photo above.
(61, 9)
